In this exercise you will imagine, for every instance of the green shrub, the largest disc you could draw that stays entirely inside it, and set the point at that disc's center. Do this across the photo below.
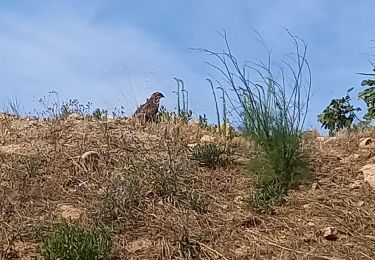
(272, 103)
(267, 194)
(70, 242)
(209, 155)
(339, 115)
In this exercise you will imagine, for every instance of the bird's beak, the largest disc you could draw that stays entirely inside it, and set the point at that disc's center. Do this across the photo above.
(161, 95)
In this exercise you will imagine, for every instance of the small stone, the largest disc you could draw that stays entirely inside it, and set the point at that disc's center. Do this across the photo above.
(74, 116)
(90, 160)
(365, 142)
(241, 251)
(331, 139)
(356, 184)
(238, 200)
(69, 212)
(369, 174)
(329, 233)
(191, 146)
(207, 139)
(360, 203)
(138, 245)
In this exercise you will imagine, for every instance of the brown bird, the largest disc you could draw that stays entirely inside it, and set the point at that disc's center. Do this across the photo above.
(148, 110)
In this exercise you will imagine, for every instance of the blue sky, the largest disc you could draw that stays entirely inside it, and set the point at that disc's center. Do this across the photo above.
(117, 52)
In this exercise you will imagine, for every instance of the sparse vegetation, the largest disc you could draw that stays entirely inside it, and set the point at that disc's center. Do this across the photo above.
(210, 155)
(100, 114)
(70, 242)
(202, 121)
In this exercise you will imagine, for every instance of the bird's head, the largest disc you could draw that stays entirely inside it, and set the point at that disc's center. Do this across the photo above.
(156, 96)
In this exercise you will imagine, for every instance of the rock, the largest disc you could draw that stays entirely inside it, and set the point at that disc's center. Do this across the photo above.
(360, 203)
(238, 200)
(207, 139)
(191, 146)
(74, 116)
(356, 184)
(371, 160)
(138, 245)
(69, 212)
(329, 233)
(90, 160)
(241, 251)
(369, 174)
(331, 139)
(365, 142)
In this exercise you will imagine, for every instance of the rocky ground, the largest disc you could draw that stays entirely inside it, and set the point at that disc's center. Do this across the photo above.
(140, 184)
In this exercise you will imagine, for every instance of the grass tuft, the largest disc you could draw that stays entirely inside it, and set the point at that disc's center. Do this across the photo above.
(70, 242)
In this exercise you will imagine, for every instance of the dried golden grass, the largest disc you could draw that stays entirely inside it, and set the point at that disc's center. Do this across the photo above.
(40, 170)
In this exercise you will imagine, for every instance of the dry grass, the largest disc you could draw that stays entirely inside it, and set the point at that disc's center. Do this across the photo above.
(158, 204)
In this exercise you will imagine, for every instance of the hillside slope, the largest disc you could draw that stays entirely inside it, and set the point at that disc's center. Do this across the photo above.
(139, 184)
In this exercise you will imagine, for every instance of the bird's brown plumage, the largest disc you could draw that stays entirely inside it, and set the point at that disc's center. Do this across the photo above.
(149, 110)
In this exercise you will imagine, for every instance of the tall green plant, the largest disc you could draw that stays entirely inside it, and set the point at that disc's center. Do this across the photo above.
(273, 109)
(183, 97)
(216, 105)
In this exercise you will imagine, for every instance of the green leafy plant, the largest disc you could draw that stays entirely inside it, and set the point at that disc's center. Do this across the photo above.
(368, 96)
(70, 242)
(339, 115)
(209, 155)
